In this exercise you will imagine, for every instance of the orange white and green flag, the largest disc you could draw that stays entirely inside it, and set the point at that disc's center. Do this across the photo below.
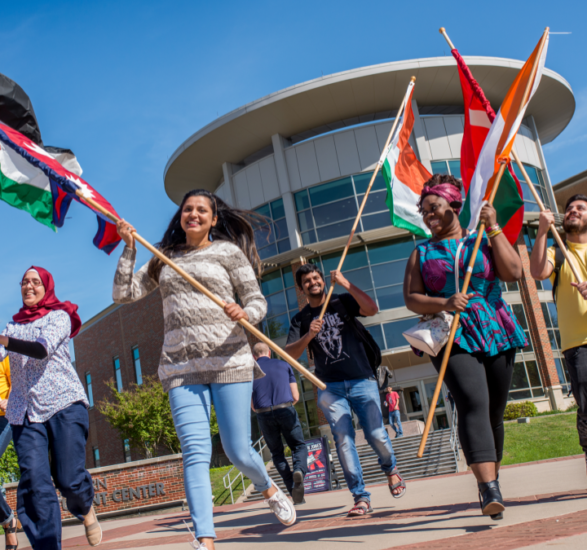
(405, 176)
(500, 139)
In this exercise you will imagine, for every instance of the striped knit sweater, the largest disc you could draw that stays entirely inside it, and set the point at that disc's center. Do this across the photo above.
(202, 345)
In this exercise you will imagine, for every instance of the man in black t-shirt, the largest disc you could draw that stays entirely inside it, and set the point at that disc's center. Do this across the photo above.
(342, 364)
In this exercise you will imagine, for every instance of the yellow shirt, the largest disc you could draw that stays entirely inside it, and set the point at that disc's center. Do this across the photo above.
(4, 380)
(572, 307)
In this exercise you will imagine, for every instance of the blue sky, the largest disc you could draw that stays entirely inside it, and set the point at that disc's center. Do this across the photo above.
(124, 83)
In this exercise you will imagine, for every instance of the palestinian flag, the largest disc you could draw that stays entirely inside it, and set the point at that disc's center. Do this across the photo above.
(498, 143)
(405, 176)
(31, 179)
(478, 118)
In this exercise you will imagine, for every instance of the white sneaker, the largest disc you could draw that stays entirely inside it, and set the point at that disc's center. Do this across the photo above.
(282, 507)
(196, 544)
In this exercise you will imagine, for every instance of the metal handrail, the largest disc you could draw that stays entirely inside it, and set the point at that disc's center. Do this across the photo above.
(228, 482)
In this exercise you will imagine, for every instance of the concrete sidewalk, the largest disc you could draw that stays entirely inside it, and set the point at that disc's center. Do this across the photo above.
(546, 507)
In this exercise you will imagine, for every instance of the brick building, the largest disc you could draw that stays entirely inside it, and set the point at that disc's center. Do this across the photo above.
(302, 157)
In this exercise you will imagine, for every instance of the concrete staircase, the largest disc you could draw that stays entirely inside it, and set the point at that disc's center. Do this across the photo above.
(438, 459)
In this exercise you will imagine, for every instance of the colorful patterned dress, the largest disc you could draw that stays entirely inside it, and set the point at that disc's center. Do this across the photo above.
(488, 325)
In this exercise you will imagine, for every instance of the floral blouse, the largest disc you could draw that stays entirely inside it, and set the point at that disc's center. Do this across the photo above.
(488, 325)
(42, 387)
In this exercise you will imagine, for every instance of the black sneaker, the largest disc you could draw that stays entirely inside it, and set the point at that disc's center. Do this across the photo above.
(297, 493)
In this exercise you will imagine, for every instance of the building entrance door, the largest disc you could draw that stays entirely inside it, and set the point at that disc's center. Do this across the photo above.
(416, 397)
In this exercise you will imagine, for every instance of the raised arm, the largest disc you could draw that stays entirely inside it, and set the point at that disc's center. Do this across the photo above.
(540, 267)
(507, 263)
(129, 286)
(367, 305)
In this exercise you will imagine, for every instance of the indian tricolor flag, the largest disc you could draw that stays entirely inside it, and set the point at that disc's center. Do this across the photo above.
(405, 176)
(500, 138)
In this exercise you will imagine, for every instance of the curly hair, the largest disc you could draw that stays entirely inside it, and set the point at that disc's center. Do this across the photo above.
(234, 225)
(439, 179)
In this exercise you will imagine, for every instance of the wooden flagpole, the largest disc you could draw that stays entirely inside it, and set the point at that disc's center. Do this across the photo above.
(455, 323)
(220, 303)
(377, 168)
(555, 234)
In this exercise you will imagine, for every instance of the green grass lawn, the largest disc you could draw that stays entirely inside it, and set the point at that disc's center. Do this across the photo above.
(545, 437)
(220, 494)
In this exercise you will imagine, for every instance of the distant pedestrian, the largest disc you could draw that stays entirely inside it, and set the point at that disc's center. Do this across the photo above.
(392, 404)
(274, 397)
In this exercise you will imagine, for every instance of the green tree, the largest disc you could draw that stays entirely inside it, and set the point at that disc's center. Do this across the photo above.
(9, 470)
(142, 415)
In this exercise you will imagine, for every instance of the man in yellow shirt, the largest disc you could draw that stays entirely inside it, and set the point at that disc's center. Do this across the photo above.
(571, 297)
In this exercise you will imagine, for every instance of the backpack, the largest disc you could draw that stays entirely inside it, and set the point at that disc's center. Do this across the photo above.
(559, 260)
(372, 350)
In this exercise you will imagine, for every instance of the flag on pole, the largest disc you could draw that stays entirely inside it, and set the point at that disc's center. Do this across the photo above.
(500, 138)
(31, 179)
(405, 176)
(479, 116)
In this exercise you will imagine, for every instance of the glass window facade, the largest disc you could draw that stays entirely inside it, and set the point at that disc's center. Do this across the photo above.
(530, 238)
(117, 373)
(272, 237)
(137, 364)
(526, 381)
(96, 454)
(377, 269)
(126, 448)
(452, 167)
(89, 389)
(537, 179)
(328, 210)
(278, 287)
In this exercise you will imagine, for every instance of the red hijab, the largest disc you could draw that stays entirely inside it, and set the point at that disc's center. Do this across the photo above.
(48, 303)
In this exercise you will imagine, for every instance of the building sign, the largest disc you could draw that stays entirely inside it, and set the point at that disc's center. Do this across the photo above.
(318, 476)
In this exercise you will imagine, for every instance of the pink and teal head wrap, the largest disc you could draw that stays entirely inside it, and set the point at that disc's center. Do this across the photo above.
(447, 191)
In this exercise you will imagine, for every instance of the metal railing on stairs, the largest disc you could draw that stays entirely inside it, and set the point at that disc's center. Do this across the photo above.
(229, 481)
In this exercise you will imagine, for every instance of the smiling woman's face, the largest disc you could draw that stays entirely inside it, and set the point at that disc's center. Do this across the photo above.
(438, 215)
(31, 288)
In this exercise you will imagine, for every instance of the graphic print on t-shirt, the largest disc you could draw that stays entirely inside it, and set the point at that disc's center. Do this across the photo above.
(330, 337)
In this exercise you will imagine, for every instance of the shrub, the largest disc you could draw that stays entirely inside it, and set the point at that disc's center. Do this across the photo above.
(520, 410)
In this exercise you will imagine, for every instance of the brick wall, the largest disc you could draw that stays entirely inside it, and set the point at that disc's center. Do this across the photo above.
(536, 323)
(124, 486)
(115, 334)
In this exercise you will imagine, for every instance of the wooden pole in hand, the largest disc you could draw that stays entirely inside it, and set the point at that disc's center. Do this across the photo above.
(220, 303)
(455, 323)
(555, 234)
(379, 165)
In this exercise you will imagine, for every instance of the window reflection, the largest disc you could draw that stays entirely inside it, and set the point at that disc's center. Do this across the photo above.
(271, 235)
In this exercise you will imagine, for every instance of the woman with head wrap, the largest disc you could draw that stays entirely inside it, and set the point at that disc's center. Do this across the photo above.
(48, 412)
(481, 363)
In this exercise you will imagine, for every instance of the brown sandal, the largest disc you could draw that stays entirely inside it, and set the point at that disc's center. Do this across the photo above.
(358, 510)
(12, 530)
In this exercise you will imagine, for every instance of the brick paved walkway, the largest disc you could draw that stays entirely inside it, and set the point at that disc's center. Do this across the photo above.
(546, 507)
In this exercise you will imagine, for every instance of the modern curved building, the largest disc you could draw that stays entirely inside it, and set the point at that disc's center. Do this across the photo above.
(303, 157)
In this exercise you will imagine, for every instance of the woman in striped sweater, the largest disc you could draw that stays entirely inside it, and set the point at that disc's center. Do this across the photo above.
(206, 357)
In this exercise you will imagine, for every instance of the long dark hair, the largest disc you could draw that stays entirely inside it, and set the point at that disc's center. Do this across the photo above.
(234, 225)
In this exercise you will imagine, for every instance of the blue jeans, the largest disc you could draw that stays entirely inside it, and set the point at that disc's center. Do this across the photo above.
(362, 397)
(190, 407)
(394, 420)
(6, 513)
(285, 421)
(64, 437)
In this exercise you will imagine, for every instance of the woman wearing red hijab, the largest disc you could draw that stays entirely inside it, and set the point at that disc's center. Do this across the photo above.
(48, 412)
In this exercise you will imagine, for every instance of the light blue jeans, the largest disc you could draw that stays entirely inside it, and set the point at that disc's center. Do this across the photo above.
(190, 406)
(337, 402)
(396, 423)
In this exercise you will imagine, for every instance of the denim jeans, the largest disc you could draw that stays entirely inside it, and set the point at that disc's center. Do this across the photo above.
(576, 359)
(394, 420)
(337, 402)
(190, 407)
(6, 513)
(64, 437)
(285, 422)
